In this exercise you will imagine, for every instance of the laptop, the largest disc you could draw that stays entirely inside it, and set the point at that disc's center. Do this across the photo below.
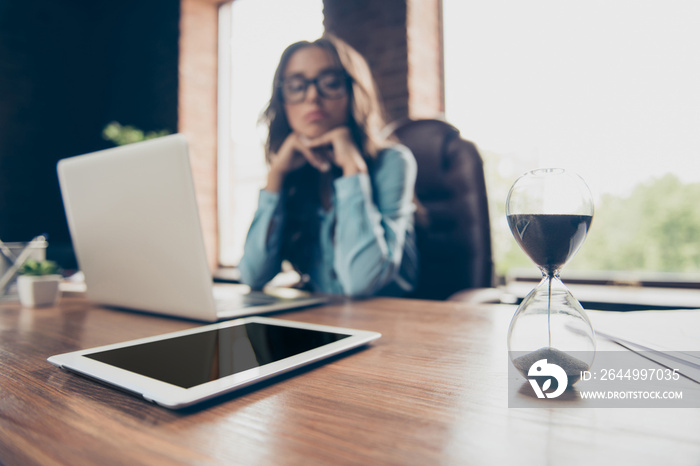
(134, 222)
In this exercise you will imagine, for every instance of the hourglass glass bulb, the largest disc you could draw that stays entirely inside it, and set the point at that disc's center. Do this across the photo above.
(549, 212)
(551, 324)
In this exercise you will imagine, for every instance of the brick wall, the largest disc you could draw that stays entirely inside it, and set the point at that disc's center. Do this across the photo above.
(425, 59)
(402, 42)
(197, 107)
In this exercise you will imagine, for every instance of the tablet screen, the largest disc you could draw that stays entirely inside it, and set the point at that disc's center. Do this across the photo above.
(191, 360)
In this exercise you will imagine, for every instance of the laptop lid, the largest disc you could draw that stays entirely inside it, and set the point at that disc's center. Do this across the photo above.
(135, 227)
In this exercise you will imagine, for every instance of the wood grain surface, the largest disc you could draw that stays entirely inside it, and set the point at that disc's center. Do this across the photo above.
(432, 390)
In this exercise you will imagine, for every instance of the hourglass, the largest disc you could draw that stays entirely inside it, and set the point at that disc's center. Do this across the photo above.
(549, 212)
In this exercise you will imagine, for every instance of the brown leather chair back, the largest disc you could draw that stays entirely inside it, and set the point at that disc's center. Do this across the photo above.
(454, 238)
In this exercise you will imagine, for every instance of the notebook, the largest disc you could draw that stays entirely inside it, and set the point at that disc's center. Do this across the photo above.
(134, 223)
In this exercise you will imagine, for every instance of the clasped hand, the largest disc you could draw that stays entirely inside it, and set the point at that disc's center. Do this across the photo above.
(334, 147)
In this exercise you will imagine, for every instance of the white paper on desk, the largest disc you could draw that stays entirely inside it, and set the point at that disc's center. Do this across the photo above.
(669, 360)
(668, 337)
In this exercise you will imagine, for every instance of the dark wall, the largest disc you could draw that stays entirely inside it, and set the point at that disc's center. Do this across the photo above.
(67, 69)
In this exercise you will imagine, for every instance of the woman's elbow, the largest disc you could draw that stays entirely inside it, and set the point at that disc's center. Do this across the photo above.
(366, 283)
(248, 277)
(255, 285)
(358, 290)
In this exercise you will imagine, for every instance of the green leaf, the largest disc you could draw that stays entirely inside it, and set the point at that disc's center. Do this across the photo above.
(36, 268)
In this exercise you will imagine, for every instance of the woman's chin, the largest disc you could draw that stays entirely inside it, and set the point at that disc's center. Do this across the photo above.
(314, 130)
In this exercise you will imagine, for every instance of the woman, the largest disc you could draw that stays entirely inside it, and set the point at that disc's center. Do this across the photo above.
(338, 204)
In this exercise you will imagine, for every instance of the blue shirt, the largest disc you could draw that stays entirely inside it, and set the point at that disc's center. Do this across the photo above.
(370, 252)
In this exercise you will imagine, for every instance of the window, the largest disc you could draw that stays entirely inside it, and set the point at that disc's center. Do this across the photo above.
(607, 89)
(253, 34)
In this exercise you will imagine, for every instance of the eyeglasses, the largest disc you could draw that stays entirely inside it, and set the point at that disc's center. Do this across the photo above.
(331, 84)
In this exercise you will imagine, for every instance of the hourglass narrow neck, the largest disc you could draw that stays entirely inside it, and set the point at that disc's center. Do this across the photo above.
(549, 273)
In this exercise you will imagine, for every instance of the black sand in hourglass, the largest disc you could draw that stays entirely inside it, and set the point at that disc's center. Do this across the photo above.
(549, 239)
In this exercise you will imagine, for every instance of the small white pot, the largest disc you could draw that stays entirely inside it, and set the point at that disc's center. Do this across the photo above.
(36, 291)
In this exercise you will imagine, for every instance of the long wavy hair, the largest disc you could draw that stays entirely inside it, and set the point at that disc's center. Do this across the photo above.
(304, 189)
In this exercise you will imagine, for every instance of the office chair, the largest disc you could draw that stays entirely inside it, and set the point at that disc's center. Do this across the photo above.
(452, 222)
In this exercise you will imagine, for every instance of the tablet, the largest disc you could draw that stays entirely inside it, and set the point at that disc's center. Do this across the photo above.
(182, 368)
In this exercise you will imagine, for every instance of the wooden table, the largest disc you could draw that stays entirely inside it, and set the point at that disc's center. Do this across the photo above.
(432, 390)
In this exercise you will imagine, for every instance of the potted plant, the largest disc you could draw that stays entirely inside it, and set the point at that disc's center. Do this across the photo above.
(38, 283)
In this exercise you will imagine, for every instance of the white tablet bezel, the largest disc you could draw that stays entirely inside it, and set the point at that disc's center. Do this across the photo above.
(172, 396)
